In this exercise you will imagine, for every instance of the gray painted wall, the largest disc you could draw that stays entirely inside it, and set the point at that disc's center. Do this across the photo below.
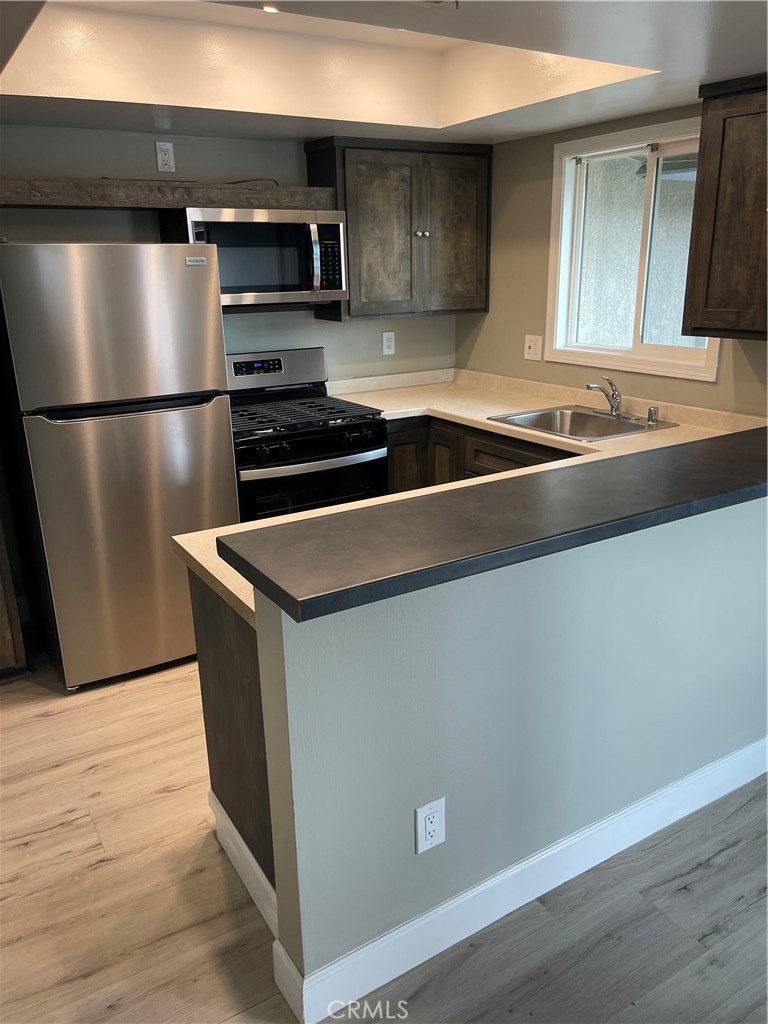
(533, 718)
(353, 349)
(522, 200)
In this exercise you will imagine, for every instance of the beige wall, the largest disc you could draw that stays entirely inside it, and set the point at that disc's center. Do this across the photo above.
(534, 718)
(353, 349)
(522, 198)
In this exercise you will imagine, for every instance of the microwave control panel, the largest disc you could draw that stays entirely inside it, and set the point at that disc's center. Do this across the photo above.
(331, 277)
(253, 368)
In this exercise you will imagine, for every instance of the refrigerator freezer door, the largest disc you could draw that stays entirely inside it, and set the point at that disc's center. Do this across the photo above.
(111, 491)
(109, 323)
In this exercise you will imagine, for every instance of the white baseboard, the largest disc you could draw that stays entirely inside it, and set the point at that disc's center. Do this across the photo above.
(411, 944)
(245, 864)
(290, 981)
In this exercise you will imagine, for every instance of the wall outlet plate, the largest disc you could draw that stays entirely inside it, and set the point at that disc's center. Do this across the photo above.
(388, 343)
(165, 160)
(533, 346)
(429, 825)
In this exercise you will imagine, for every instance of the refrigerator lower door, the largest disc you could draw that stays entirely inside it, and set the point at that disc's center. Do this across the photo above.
(111, 492)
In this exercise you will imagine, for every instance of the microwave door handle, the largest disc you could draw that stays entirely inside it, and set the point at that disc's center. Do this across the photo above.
(315, 238)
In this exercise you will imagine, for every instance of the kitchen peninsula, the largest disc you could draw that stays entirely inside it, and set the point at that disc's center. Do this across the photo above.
(572, 655)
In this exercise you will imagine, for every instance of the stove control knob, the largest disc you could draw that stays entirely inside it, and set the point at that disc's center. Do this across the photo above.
(283, 450)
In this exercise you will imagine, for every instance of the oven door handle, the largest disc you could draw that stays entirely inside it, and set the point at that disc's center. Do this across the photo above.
(272, 472)
(315, 239)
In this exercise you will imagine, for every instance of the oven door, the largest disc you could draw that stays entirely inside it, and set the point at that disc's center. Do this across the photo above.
(279, 490)
(265, 256)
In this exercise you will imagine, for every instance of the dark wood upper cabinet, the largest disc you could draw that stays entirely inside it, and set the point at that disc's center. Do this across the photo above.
(384, 204)
(456, 217)
(726, 287)
(417, 224)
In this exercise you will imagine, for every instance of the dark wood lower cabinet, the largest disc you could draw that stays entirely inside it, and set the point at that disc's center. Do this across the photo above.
(424, 452)
(230, 684)
(487, 453)
(444, 455)
(408, 443)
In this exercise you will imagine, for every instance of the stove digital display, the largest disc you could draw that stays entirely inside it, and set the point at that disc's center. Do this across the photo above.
(255, 367)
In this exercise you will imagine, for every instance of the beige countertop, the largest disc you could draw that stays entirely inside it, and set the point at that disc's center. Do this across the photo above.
(469, 399)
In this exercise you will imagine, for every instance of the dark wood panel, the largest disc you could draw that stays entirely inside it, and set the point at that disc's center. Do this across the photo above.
(383, 200)
(486, 453)
(406, 145)
(408, 442)
(457, 191)
(445, 455)
(742, 190)
(156, 195)
(228, 662)
(13, 659)
(726, 287)
(732, 86)
(12, 656)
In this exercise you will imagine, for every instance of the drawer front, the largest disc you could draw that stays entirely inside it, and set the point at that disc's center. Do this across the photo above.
(483, 456)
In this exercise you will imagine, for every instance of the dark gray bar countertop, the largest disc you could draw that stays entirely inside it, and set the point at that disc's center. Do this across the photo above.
(316, 567)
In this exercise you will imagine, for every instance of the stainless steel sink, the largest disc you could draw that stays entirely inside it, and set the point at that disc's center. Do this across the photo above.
(580, 423)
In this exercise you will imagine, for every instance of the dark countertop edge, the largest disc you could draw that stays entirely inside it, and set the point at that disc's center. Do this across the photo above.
(421, 579)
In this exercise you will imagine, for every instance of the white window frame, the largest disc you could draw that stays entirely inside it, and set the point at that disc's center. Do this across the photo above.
(661, 360)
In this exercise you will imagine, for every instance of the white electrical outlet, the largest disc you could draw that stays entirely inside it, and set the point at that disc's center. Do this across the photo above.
(165, 161)
(533, 346)
(388, 343)
(429, 824)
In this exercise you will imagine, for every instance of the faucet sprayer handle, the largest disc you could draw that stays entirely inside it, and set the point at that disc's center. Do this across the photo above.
(614, 389)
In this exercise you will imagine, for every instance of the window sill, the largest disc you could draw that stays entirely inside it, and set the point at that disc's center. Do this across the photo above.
(703, 368)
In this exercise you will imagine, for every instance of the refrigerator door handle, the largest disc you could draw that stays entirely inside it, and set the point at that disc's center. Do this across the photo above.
(85, 414)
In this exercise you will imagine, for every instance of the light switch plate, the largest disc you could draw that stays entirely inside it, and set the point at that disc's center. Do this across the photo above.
(533, 346)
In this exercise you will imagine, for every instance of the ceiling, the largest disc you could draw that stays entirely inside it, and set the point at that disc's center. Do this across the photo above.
(687, 42)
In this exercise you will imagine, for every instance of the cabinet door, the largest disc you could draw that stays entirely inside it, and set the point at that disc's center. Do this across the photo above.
(726, 289)
(486, 453)
(384, 199)
(407, 457)
(445, 462)
(456, 248)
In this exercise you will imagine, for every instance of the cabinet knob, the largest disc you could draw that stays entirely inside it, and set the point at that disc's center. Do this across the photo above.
(426, 234)
(419, 234)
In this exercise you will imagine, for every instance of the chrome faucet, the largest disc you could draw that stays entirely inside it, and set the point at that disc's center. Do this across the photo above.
(613, 399)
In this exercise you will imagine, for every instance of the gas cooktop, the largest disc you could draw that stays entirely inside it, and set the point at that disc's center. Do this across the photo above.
(293, 414)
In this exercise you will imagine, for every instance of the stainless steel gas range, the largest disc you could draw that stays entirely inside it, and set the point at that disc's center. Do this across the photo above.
(296, 448)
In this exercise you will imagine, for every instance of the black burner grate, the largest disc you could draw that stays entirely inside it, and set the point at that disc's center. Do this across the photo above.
(297, 414)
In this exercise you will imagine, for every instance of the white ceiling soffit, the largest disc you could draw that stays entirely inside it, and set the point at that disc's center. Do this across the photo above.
(688, 41)
(158, 59)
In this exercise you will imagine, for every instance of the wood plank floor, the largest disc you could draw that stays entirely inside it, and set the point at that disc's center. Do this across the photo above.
(118, 905)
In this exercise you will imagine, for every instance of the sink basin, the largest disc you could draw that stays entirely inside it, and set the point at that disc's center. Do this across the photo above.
(580, 423)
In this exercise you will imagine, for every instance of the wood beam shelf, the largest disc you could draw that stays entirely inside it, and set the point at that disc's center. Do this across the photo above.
(113, 193)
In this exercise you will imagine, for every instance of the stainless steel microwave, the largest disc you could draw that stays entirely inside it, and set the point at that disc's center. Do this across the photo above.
(275, 256)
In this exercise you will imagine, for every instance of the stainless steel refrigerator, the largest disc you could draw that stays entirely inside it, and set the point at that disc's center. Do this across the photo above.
(118, 356)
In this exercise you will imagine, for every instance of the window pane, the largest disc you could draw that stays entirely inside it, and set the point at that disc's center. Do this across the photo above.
(610, 254)
(671, 233)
